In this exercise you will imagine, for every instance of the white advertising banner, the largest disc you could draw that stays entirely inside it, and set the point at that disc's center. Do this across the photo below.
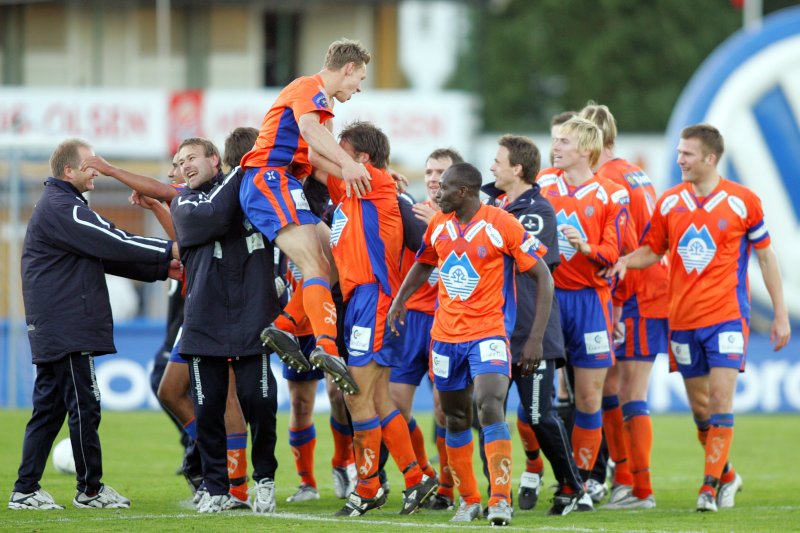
(118, 123)
(415, 122)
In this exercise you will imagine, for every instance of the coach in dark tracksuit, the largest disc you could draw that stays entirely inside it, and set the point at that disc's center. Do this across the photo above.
(230, 298)
(516, 181)
(67, 252)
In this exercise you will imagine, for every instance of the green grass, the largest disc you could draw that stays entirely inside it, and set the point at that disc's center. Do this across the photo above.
(141, 454)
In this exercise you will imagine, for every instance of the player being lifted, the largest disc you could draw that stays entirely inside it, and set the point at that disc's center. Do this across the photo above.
(273, 200)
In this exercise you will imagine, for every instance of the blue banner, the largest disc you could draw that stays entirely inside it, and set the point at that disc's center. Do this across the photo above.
(770, 384)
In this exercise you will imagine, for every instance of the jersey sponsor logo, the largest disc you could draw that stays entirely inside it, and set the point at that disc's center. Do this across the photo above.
(459, 276)
(474, 230)
(714, 201)
(441, 365)
(637, 178)
(596, 342)
(562, 219)
(271, 175)
(494, 236)
(731, 342)
(360, 338)
(337, 225)
(493, 350)
(531, 245)
(620, 197)
(668, 203)
(681, 352)
(436, 232)
(533, 223)
(737, 205)
(696, 248)
(749, 93)
(300, 200)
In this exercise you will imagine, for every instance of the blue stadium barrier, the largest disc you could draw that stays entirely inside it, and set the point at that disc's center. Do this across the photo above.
(770, 385)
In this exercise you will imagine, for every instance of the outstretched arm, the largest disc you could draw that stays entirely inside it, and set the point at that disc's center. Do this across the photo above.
(142, 184)
(641, 258)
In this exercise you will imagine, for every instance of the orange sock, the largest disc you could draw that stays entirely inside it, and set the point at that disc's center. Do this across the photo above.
(587, 435)
(728, 473)
(459, 457)
(321, 311)
(367, 445)
(720, 436)
(398, 442)
(418, 443)
(497, 445)
(342, 444)
(237, 464)
(639, 441)
(293, 311)
(614, 431)
(445, 478)
(533, 461)
(303, 441)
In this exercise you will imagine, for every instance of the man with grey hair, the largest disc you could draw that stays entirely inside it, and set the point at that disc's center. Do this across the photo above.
(67, 252)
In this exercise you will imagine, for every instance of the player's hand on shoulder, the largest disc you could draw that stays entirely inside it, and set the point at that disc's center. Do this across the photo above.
(423, 212)
(400, 181)
(357, 179)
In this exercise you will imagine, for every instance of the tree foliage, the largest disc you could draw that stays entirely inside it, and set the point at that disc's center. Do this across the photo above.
(530, 59)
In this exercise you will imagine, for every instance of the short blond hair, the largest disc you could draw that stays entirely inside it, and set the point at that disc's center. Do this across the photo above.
(587, 134)
(66, 154)
(346, 51)
(601, 115)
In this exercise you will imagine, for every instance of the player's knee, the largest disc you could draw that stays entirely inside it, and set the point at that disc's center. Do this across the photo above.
(302, 408)
(456, 424)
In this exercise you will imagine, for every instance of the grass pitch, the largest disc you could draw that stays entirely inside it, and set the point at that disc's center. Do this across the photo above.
(141, 454)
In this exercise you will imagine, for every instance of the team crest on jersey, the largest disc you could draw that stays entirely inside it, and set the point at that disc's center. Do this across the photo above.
(481, 251)
(562, 219)
(337, 225)
(696, 248)
(459, 276)
(589, 211)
